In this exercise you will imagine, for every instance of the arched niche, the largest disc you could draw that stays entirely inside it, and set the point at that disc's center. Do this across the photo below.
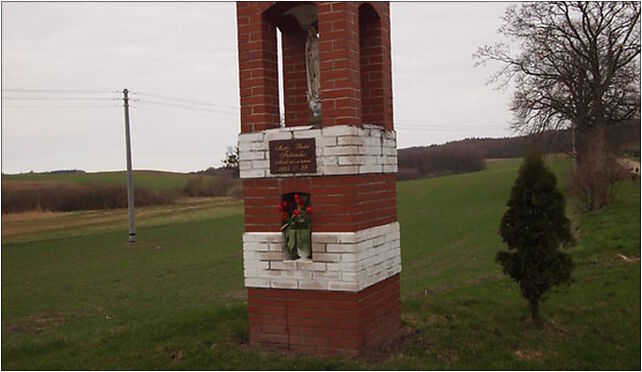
(291, 18)
(371, 60)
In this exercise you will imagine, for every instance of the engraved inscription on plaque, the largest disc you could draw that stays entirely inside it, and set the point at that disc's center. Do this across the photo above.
(293, 156)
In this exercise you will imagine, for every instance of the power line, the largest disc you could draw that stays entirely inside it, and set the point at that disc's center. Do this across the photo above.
(57, 98)
(56, 91)
(59, 106)
(166, 109)
(432, 129)
(443, 127)
(190, 104)
(153, 102)
(178, 112)
(422, 126)
(161, 96)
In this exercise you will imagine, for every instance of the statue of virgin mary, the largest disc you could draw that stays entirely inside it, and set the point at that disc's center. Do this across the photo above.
(312, 72)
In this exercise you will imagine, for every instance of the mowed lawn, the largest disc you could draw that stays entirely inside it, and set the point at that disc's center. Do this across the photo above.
(75, 295)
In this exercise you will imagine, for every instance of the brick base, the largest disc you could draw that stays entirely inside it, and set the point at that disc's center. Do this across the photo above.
(325, 322)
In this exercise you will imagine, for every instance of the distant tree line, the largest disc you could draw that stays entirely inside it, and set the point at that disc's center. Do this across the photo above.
(453, 157)
(19, 196)
(417, 162)
(211, 171)
(22, 196)
(468, 155)
(57, 171)
(64, 171)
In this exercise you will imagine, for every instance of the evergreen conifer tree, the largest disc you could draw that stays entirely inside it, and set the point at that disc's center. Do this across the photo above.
(535, 227)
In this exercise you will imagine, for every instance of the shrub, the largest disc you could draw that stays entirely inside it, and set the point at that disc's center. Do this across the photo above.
(585, 179)
(235, 190)
(534, 227)
(64, 197)
(200, 186)
(404, 174)
(437, 160)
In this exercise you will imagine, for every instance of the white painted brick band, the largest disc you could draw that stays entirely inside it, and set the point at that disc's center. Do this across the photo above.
(340, 261)
(340, 150)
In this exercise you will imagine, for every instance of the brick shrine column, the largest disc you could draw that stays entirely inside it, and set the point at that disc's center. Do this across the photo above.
(346, 297)
(258, 81)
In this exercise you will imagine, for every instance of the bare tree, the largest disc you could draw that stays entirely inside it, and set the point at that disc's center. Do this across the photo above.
(577, 66)
(231, 160)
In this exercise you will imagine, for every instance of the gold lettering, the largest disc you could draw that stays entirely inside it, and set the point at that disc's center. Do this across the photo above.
(292, 156)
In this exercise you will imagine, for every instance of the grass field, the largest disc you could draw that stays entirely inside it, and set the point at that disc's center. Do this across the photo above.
(152, 180)
(75, 295)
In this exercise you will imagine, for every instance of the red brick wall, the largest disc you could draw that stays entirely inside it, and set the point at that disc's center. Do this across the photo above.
(339, 63)
(383, 10)
(340, 67)
(325, 322)
(297, 111)
(339, 203)
(258, 80)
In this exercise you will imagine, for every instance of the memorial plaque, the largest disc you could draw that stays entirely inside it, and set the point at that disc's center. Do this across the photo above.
(293, 156)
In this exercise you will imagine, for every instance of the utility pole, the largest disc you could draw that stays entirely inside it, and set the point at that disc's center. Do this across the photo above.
(130, 182)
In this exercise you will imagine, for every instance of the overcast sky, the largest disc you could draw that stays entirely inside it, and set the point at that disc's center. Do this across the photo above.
(189, 51)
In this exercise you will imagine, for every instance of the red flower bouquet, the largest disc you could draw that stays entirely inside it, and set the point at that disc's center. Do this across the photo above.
(295, 225)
